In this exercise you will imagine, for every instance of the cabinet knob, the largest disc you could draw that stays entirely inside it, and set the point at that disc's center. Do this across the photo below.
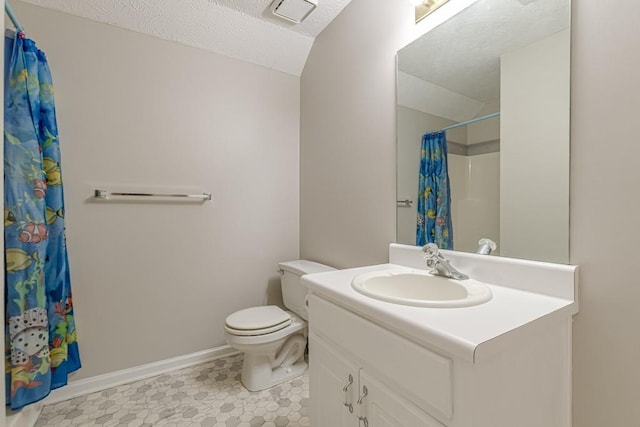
(345, 389)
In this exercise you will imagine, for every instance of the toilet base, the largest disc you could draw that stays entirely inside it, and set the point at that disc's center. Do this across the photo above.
(257, 379)
(262, 370)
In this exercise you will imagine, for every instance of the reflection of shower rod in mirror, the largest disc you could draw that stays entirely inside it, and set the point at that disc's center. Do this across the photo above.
(468, 122)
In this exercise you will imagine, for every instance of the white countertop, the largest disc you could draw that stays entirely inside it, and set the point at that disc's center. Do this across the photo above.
(471, 333)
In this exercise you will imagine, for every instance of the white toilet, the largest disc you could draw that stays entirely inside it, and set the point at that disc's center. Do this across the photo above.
(274, 340)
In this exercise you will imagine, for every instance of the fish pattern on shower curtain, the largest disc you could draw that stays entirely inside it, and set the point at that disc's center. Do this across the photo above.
(40, 335)
(433, 223)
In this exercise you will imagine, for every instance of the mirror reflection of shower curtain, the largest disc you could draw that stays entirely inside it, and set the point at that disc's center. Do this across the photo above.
(434, 201)
(40, 334)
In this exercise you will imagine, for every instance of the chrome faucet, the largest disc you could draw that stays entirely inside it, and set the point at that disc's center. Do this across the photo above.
(440, 264)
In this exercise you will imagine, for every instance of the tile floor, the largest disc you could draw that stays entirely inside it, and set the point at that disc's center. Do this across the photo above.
(206, 395)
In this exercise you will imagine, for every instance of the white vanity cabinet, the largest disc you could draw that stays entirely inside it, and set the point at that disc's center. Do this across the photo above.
(412, 384)
(334, 387)
(382, 407)
(502, 363)
(349, 355)
(345, 395)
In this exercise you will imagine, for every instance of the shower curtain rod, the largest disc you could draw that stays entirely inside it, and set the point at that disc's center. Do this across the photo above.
(468, 122)
(13, 17)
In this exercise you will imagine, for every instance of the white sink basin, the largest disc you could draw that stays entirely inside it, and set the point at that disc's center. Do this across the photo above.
(419, 288)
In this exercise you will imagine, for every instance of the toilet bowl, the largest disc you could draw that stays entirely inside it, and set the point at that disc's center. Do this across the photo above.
(274, 340)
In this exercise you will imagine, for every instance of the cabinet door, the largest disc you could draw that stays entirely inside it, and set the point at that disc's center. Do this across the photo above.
(333, 383)
(382, 407)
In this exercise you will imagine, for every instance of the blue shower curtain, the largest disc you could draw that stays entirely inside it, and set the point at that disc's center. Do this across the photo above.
(434, 204)
(40, 335)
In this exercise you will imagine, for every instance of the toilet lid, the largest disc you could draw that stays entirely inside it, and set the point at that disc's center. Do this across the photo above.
(264, 319)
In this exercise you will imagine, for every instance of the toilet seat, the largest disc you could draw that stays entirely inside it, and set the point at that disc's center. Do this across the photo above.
(257, 321)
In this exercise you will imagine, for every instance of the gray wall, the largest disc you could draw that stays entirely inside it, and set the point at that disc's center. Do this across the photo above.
(348, 177)
(152, 281)
(604, 212)
(347, 137)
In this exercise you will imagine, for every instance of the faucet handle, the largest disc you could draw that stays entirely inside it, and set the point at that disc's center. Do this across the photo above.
(431, 251)
(439, 263)
(431, 254)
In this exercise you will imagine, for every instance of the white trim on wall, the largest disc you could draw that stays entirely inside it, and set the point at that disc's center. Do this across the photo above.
(124, 376)
(26, 417)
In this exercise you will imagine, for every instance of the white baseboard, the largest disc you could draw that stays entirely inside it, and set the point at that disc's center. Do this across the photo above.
(26, 417)
(113, 379)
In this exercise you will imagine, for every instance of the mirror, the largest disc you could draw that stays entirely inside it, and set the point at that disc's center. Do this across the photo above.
(496, 76)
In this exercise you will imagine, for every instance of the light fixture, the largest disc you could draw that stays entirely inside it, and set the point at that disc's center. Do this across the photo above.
(425, 7)
(293, 10)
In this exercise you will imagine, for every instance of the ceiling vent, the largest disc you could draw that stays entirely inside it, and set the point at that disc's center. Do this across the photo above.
(293, 10)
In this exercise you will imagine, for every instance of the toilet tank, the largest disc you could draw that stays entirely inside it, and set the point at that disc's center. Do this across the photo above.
(293, 292)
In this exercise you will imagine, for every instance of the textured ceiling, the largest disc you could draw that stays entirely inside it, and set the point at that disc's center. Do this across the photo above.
(463, 54)
(242, 29)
